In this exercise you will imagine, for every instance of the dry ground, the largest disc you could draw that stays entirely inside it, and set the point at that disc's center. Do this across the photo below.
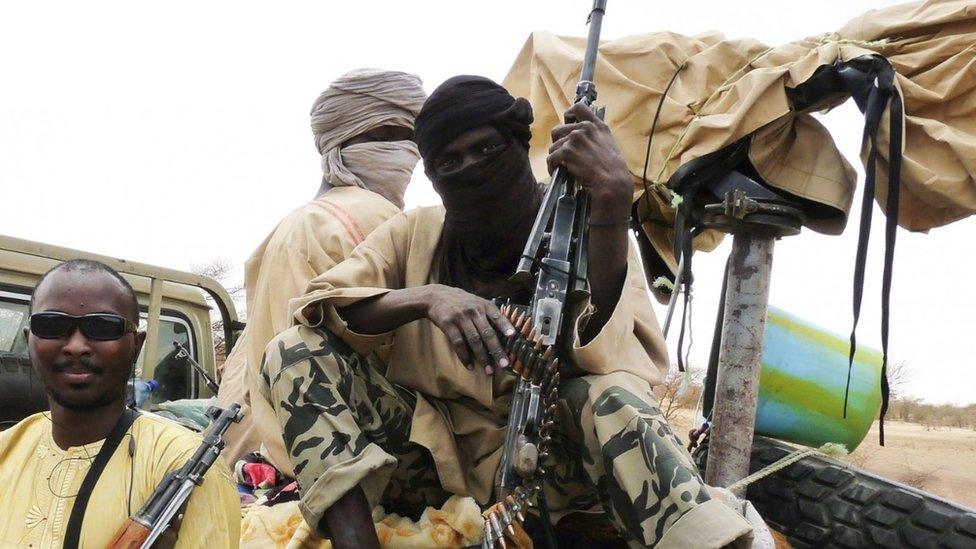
(941, 460)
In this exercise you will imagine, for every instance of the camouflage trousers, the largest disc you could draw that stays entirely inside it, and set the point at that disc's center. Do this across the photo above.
(613, 451)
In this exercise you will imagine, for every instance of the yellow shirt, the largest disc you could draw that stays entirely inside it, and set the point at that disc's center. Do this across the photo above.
(305, 244)
(39, 482)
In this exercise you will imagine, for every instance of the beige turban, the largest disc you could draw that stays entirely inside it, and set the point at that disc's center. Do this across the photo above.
(359, 101)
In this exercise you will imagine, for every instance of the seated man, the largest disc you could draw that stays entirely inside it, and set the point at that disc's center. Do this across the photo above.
(430, 422)
(83, 343)
(363, 129)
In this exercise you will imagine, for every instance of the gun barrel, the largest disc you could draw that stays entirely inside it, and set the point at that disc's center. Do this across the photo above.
(593, 40)
(585, 92)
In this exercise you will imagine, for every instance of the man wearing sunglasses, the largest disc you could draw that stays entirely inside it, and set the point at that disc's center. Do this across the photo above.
(83, 341)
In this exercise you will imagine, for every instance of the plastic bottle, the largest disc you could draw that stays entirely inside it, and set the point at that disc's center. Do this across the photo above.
(139, 390)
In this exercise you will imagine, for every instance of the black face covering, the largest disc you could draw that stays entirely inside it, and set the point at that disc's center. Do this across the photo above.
(489, 204)
(502, 185)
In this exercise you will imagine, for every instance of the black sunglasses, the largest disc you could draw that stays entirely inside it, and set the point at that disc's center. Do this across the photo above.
(96, 327)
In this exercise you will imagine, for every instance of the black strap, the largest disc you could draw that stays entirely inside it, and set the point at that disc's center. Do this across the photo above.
(686, 282)
(872, 121)
(73, 532)
(874, 102)
(891, 230)
(711, 375)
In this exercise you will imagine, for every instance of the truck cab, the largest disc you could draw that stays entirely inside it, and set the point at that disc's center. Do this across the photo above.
(175, 308)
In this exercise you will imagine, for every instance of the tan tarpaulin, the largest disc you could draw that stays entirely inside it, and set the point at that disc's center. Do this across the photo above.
(730, 89)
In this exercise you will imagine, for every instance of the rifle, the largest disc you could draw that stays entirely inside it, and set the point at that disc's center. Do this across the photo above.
(556, 256)
(142, 528)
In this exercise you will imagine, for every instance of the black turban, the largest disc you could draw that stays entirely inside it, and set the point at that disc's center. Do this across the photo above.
(466, 102)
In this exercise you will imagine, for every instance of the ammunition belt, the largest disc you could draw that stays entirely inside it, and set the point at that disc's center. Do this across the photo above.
(537, 369)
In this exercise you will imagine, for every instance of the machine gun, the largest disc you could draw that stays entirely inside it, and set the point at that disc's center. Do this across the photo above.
(555, 255)
(142, 529)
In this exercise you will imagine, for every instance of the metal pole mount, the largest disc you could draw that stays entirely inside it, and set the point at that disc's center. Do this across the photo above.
(755, 224)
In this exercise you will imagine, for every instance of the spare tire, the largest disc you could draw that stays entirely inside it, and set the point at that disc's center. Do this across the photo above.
(21, 393)
(820, 502)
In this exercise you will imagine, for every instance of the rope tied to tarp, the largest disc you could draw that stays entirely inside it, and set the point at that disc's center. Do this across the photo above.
(732, 79)
(828, 38)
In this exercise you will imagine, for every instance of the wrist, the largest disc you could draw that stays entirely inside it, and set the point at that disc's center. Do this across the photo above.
(610, 205)
(421, 300)
(622, 222)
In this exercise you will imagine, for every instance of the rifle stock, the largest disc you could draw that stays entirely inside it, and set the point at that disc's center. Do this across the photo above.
(131, 535)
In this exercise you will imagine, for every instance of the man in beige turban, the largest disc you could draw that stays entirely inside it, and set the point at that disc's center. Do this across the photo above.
(363, 126)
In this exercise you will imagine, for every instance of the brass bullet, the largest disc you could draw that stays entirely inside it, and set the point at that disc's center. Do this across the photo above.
(489, 535)
(506, 518)
(553, 394)
(514, 508)
(519, 319)
(497, 527)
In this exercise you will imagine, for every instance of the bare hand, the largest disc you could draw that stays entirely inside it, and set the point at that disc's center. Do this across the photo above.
(472, 325)
(588, 150)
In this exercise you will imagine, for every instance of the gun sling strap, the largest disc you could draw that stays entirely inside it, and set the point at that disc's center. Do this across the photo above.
(73, 532)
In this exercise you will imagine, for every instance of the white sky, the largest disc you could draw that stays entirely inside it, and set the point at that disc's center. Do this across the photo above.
(175, 133)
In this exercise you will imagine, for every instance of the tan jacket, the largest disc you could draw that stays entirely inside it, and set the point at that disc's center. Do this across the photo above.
(460, 414)
(305, 244)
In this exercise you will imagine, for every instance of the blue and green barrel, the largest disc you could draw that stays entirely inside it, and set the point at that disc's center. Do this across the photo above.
(801, 393)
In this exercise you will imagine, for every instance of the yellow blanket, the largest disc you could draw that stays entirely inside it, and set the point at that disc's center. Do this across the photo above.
(458, 523)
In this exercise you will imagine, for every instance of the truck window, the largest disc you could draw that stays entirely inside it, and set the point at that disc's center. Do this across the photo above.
(175, 376)
(13, 319)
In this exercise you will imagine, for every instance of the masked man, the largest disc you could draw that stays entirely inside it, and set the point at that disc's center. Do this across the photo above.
(83, 343)
(363, 128)
(432, 420)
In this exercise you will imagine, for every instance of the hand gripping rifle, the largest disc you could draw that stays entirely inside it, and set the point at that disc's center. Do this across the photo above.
(142, 529)
(555, 255)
